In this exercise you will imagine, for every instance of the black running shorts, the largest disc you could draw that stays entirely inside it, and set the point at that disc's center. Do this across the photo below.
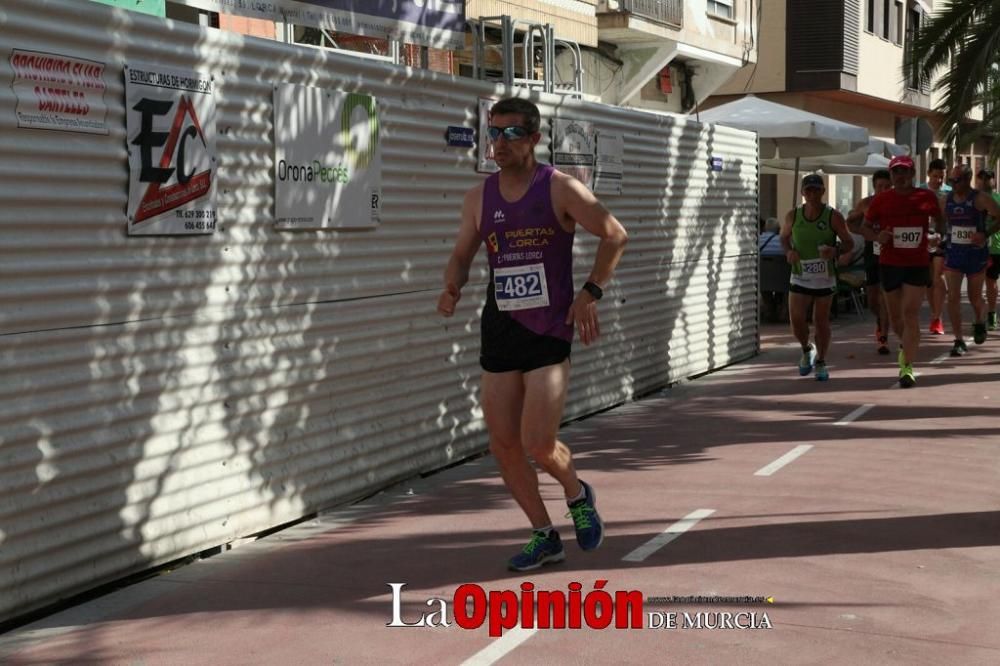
(507, 346)
(894, 277)
(871, 271)
(807, 291)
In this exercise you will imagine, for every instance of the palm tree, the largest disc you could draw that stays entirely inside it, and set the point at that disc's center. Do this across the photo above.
(963, 38)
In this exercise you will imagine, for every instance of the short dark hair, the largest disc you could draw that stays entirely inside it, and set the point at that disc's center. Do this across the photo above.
(937, 164)
(532, 118)
(881, 174)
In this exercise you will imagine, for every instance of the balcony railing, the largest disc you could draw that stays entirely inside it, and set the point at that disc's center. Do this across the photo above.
(670, 12)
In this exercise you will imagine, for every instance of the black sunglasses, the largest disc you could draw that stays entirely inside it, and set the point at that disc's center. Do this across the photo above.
(511, 133)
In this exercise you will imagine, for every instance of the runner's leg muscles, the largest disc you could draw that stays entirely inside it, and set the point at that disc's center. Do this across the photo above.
(821, 321)
(894, 307)
(798, 310)
(910, 302)
(503, 398)
(938, 286)
(544, 399)
(954, 279)
(975, 287)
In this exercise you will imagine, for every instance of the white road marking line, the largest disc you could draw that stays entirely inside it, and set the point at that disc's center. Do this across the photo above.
(856, 414)
(668, 535)
(768, 470)
(941, 359)
(499, 648)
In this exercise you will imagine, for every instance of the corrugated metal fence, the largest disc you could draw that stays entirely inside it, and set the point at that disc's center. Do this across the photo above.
(162, 395)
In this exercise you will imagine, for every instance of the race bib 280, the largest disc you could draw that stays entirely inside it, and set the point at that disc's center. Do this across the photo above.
(815, 268)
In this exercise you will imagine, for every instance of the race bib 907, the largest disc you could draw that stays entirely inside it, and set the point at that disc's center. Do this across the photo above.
(521, 287)
(907, 238)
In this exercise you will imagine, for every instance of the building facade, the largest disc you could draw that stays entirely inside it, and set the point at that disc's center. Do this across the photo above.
(665, 55)
(843, 59)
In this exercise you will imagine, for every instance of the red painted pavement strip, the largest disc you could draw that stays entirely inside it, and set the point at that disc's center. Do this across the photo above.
(879, 544)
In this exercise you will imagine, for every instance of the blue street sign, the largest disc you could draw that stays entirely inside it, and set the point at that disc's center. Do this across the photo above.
(461, 136)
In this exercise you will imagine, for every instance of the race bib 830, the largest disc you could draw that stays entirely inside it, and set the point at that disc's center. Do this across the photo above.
(962, 235)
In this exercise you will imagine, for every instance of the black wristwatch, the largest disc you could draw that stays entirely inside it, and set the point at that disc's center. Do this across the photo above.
(593, 290)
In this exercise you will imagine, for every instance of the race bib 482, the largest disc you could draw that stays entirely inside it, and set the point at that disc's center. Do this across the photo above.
(521, 287)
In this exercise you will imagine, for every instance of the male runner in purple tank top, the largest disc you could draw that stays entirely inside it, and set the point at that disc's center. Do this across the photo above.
(527, 215)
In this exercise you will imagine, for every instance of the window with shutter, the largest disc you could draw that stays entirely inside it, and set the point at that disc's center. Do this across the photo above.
(722, 8)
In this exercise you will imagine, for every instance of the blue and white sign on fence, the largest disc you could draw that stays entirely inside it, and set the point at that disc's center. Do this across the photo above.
(460, 136)
(436, 23)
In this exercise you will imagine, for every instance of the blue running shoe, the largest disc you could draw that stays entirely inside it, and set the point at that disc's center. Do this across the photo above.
(589, 527)
(822, 374)
(539, 551)
(806, 361)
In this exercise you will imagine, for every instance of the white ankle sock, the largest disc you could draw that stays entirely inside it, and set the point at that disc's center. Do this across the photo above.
(583, 493)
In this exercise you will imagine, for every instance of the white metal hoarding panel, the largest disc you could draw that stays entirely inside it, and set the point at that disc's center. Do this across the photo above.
(162, 395)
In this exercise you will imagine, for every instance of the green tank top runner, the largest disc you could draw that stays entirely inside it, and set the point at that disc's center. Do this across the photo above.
(808, 235)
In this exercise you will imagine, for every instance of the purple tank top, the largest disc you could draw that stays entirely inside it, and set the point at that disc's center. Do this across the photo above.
(531, 256)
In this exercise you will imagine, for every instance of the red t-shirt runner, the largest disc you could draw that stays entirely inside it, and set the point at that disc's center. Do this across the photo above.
(906, 217)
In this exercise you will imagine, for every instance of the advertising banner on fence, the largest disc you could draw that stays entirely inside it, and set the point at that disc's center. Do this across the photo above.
(58, 92)
(170, 129)
(327, 159)
(437, 23)
(610, 167)
(573, 147)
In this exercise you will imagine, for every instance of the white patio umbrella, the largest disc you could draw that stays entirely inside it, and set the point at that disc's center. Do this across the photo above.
(872, 164)
(786, 132)
(859, 163)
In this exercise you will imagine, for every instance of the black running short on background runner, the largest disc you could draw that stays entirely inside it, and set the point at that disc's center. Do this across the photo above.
(871, 271)
(894, 277)
(993, 269)
(507, 346)
(807, 291)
